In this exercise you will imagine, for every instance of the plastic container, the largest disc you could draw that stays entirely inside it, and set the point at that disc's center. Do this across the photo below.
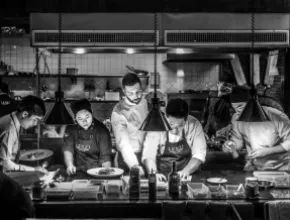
(197, 190)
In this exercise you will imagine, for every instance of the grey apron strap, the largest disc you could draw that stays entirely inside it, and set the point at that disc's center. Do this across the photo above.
(19, 144)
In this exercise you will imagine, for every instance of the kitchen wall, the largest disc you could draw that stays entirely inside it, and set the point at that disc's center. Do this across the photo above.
(16, 51)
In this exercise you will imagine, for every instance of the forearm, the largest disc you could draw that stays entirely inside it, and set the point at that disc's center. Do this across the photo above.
(150, 165)
(9, 165)
(192, 165)
(276, 149)
(68, 158)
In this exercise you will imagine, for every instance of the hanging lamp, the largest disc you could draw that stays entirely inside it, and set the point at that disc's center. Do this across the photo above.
(155, 120)
(253, 111)
(59, 114)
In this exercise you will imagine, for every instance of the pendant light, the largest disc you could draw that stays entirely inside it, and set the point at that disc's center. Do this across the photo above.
(253, 111)
(59, 114)
(155, 120)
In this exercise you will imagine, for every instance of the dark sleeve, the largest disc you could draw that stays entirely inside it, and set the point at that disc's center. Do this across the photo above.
(105, 144)
(14, 197)
(69, 139)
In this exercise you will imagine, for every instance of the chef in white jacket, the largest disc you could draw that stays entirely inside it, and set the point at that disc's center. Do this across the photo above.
(127, 117)
(267, 143)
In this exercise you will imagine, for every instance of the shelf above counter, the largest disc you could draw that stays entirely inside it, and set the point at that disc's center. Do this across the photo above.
(68, 76)
(92, 101)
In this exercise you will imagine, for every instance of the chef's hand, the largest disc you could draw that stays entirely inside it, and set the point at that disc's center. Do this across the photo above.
(160, 177)
(71, 170)
(141, 170)
(41, 169)
(184, 174)
(262, 152)
(228, 147)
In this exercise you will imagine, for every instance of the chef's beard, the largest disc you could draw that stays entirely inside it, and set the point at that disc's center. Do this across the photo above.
(134, 101)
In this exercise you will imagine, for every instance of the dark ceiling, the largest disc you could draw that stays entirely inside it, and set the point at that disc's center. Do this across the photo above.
(16, 12)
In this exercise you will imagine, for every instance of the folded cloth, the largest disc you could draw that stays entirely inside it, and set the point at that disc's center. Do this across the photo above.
(278, 210)
(245, 210)
(197, 209)
(218, 210)
(173, 210)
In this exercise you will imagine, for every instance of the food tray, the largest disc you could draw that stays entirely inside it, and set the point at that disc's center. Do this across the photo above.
(235, 191)
(197, 190)
(217, 192)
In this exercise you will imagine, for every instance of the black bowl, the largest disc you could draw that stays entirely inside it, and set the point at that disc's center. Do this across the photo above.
(266, 185)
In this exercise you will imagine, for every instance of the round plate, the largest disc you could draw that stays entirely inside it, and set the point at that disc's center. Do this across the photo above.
(35, 155)
(217, 180)
(116, 172)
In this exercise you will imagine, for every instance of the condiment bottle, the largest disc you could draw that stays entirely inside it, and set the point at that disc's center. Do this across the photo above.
(174, 182)
(38, 190)
(134, 184)
(152, 186)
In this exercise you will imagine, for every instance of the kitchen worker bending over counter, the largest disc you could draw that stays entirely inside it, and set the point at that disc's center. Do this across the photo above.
(185, 143)
(126, 119)
(267, 143)
(87, 144)
(29, 112)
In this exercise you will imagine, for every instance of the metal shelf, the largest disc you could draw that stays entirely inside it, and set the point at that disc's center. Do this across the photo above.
(68, 76)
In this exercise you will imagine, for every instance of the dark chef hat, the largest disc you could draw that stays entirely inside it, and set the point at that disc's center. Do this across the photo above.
(79, 105)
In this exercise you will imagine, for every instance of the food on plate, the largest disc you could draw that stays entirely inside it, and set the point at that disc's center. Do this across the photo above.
(106, 171)
(36, 155)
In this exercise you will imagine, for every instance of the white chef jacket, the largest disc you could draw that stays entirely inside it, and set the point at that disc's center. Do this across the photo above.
(194, 136)
(126, 120)
(255, 135)
(9, 141)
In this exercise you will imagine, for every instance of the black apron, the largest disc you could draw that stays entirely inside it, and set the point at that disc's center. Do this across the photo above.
(179, 152)
(87, 155)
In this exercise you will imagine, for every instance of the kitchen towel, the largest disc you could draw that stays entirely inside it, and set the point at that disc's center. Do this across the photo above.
(278, 210)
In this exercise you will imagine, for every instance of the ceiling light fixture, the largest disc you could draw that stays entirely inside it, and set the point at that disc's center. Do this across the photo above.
(253, 111)
(59, 114)
(130, 51)
(80, 51)
(155, 119)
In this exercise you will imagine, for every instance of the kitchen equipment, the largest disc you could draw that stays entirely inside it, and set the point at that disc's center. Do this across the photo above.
(138, 72)
(105, 173)
(217, 180)
(72, 71)
(217, 192)
(197, 190)
(266, 185)
(235, 191)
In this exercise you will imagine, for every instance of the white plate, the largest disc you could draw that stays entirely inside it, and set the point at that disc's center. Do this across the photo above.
(217, 180)
(35, 155)
(95, 172)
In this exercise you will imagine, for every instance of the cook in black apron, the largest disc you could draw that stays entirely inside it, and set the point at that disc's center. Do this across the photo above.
(87, 152)
(179, 152)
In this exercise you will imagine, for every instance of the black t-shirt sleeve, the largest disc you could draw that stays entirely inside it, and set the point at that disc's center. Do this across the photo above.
(105, 144)
(69, 139)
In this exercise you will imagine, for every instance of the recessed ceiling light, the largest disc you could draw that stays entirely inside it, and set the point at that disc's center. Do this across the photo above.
(79, 51)
(130, 51)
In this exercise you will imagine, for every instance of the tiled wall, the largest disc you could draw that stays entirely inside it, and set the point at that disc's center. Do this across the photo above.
(173, 77)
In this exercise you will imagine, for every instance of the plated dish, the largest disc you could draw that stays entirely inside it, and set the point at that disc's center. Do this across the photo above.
(101, 172)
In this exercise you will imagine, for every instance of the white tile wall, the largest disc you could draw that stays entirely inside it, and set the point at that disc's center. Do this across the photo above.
(197, 76)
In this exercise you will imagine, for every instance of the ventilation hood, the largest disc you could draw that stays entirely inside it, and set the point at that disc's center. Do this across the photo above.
(109, 31)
